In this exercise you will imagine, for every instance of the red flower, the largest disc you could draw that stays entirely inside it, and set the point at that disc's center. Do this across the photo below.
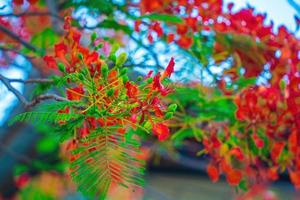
(22, 180)
(32, 1)
(276, 150)
(237, 153)
(67, 24)
(182, 29)
(60, 50)
(18, 2)
(157, 28)
(137, 24)
(170, 37)
(258, 141)
(212, 172)
(156, 82)
(170, 68)
(91, 58)
(185, 42)
(230, 6)
(161, 131)
(149, 74)
(50, 61)
(295, 178)
(132, 90)
(234, 177)
(150, 38)
(75, 93)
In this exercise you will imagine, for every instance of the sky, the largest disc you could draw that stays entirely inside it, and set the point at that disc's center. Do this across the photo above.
(277, 10)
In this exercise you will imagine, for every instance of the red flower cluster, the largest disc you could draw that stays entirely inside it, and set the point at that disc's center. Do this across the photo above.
(255, 51)
(125, 103)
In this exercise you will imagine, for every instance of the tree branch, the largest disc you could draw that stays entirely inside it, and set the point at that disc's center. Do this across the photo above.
(4, 49)
(6, 82)
(38, 80)
(17, 38)
(294, 5)
(44, 97)
(37, 99)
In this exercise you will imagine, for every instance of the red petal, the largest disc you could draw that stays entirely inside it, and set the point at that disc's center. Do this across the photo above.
(50, 61)
(170, 68)
(234, 177)
(212, 172)
(161, 131)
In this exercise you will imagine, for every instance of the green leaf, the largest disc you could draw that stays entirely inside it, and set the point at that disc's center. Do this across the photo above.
(44, 39)
(47, 145)
(42, 117)
(112, 24)
(108, 158)
(162, 17)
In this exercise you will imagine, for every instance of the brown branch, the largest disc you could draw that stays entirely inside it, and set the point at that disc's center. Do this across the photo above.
(6, 82)
(38, 80)
(4, 49)
(44, 97)
(37, 99)
(17, 38)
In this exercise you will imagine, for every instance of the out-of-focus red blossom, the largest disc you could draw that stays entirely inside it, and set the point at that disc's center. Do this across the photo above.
(234, 177)
(236, 151)
(157, 28)
(185, 42)
(170, 37)
(50, 61)
(295, 178)
(276, 150)
(230, 6)
(212, 172)
(32, 1)
(60, 50)
(21, 2)
(150, 38)
(137, 24)
(18, 2)
(258, 141)
(212, 17)
(269, 115)
(22, 180)
(161, 131)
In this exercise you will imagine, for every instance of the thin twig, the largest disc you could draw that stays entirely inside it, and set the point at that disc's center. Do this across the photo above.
(37, 99)
(38, 80)
(18, 38)
(4, 49)
(44, 97)
(295, 5)
(6, 82)
(154, 56)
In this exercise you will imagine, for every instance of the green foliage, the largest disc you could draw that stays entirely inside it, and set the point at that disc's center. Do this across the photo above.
(162, 17)
(44, 39)
(43, 117)
(113, 24)
(106, 159)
